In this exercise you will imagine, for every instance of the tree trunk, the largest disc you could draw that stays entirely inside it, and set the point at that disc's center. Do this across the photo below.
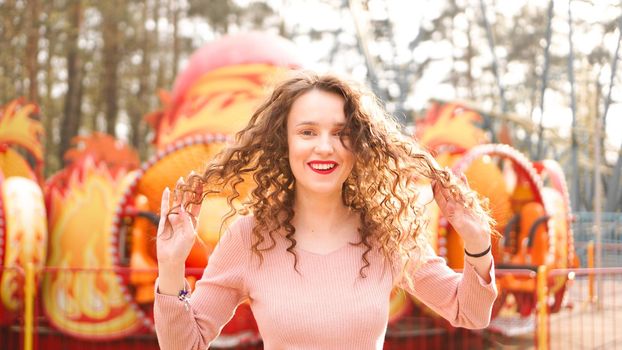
(50, 162)
(174, 6)
(72, 111)
(160, 78)
(469, 60)
(32, 50)
(7, 58)
(453, 72)
(141, 104)
(613, 196)
(111, 59)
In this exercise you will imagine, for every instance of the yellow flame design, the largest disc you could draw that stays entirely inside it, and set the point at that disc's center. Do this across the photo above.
(10, 286)
(16, 127)
(86, 303)
(221, 101)
(13, 164)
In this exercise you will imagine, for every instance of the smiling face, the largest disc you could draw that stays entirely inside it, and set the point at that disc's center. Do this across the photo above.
(319, 160)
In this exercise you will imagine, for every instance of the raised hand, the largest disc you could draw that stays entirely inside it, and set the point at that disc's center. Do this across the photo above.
(473, 229)
(176, 237)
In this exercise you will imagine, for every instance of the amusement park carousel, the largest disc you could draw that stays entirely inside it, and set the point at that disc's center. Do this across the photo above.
(88, 230)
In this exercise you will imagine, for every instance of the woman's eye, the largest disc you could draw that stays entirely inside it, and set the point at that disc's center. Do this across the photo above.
(306, 133)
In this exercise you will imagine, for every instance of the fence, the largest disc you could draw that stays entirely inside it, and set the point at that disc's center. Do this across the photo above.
(611, 237)
(592, 314)
(585, 318)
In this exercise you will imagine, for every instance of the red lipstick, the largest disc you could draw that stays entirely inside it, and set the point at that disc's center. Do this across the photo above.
(323, 167)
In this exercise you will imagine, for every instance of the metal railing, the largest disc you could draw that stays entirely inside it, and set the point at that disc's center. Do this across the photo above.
(591, 318)
(611, 237)
(587, 317)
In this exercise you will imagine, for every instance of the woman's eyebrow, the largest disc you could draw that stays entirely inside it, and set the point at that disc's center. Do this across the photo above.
(316, 123)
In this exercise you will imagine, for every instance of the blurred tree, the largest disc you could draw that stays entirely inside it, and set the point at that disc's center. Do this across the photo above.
(174, 14)
(112, 13)
(53, 20)
(218, 13)
(139, 103)
(32, 50)
(72, 116)
(11, 72)
(97, 66)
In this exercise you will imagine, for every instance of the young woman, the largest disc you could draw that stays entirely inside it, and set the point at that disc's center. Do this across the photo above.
(335, 225)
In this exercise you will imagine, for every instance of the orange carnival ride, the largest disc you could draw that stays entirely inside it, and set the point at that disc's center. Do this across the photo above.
(529, 201)
(103, 207)
(80, 295)
(91, 230)
(23, 226)
(212, 99)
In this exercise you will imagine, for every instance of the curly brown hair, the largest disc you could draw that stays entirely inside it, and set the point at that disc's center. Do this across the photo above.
(381, 188)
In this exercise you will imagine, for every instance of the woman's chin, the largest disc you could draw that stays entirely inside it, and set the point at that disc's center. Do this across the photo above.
(320, 190)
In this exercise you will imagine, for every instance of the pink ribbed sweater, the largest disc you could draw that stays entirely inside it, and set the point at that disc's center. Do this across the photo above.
(325, 306)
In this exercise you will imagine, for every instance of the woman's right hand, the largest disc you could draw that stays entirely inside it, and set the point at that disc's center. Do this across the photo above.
(175, 239)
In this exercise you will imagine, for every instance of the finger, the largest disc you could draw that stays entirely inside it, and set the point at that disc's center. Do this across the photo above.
(439, 195)
(195, 194)
(164, 207)
(177, 194)
(165, 204)
(464, 179)
(445, 204)
(195, 209)
(439, 190)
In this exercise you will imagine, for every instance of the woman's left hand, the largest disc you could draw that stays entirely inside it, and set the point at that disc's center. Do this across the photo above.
(475, 232)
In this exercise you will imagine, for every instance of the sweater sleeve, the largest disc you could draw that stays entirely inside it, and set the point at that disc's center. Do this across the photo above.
(464, 299)
(213, 302)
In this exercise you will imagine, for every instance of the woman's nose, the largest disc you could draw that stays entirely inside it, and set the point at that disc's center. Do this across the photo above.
(325, 144)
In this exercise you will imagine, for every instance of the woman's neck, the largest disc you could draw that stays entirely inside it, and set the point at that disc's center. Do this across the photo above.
(318, 213)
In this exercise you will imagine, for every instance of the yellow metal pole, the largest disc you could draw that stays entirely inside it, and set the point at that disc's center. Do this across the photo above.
(29, 296)
(590, 276)
(542, 309)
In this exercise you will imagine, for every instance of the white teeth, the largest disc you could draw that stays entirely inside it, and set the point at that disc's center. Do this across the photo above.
(322, 166)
